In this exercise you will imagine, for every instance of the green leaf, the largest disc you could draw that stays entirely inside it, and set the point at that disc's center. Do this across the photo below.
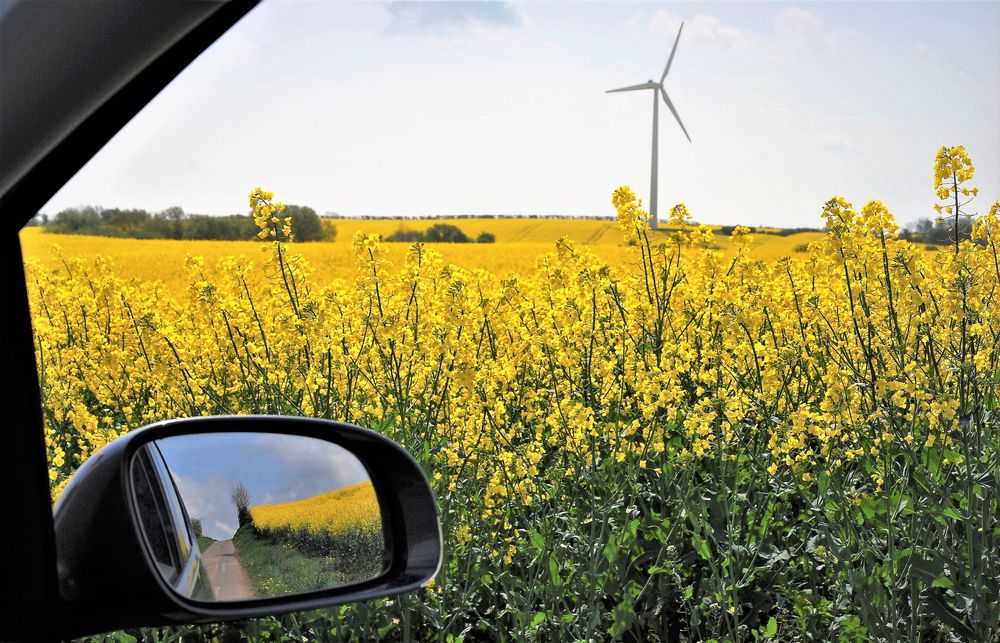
(903, 553)
(537, 540)
(943, 582)
(946, 614)
(822, 484)
(701, 546)
(688, 592)
(951, 513)
(771, 628)
(611, 549)
(622, 617)
(869, 507)
(926, 569)
(778, 557)
(554, 572)
(851, 625)
(537, 620)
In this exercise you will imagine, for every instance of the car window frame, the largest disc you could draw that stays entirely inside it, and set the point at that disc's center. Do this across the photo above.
(24, 482)
(143, 465)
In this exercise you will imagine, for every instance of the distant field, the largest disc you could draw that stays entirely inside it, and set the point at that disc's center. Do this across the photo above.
(588, 231)
(519, 243)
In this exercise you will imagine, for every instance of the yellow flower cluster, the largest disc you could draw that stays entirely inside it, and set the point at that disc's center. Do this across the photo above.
(952, 167)
(679, 215)
(265, 214)
(631, 217)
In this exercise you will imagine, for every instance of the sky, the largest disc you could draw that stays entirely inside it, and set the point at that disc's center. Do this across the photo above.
(273, 468)
(408, 108)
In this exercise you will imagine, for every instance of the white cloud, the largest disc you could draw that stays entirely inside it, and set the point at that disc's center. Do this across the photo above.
(309, 466)
(705, 28)
(797, 23)
(662, 22)
(790, 29)
(797, 27)
(834, 142)
(451, 18)
(924, 50)
(220, 528)
(208, 500)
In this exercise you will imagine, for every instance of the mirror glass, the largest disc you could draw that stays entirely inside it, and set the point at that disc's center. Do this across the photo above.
(238, 516)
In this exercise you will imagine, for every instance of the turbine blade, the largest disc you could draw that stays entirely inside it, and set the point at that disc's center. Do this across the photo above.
(673, 111)
(632, 88)
(672, 52)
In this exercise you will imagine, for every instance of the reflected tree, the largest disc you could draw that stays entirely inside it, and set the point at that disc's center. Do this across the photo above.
(241, 499)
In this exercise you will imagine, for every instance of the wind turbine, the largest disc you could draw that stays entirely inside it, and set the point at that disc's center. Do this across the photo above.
(656, 117)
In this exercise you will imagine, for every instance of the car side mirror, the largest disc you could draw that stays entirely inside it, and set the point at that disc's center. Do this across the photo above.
(218, 518)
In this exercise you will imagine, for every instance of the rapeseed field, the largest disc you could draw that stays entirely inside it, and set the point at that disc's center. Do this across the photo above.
(663, 438)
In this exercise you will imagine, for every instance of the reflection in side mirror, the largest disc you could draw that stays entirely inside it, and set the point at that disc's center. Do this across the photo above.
(235, 517)
(238, 516)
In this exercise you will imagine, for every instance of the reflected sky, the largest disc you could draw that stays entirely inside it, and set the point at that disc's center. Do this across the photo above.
(274, 468)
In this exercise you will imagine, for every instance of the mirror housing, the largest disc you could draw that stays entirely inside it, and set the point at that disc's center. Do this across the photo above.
(108, 579)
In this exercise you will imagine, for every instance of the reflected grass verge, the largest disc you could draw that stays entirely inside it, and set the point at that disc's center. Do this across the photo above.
(278, 564)
(204, 542)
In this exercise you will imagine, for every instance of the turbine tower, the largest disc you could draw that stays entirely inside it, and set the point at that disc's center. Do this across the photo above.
(656, 116)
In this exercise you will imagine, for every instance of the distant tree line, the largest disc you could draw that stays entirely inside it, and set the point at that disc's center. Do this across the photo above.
(939, 233)
(424, 217)
(727, 230)
(174, 223)
(440, 233)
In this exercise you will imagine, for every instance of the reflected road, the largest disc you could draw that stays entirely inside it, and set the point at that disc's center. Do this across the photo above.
(225, 572)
